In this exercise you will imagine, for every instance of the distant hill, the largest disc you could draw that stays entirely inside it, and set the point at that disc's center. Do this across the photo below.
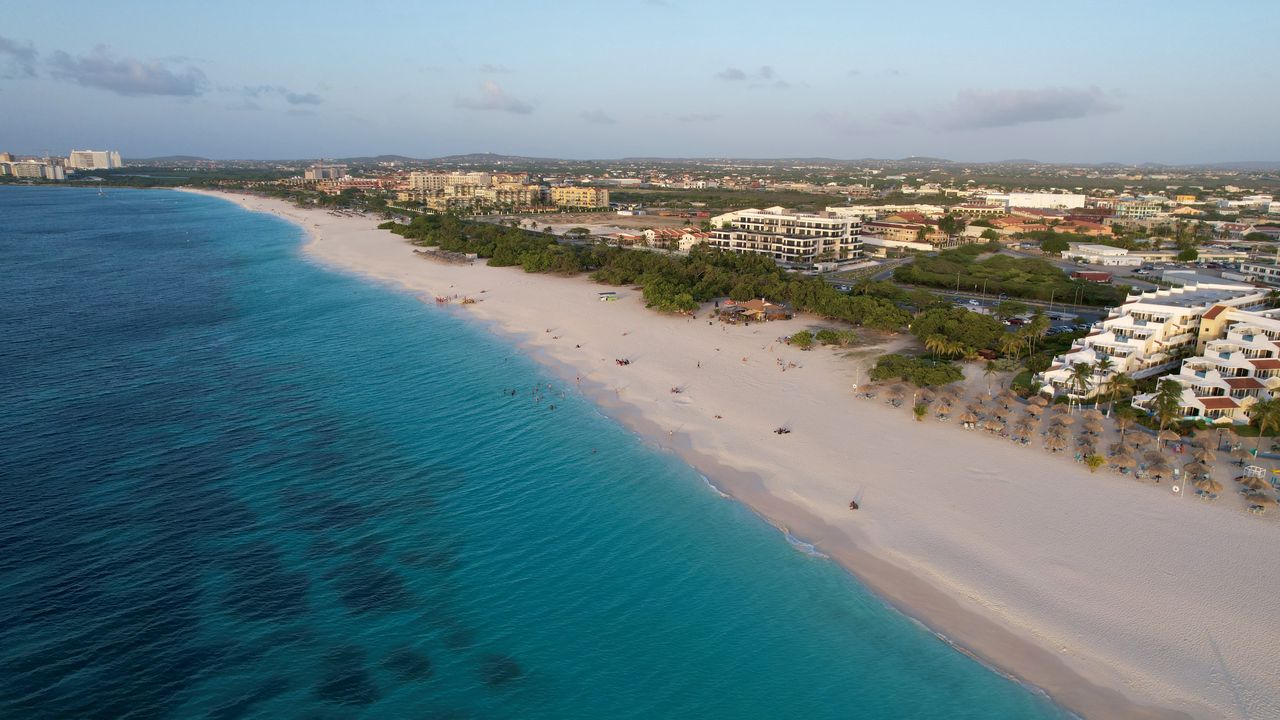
(378, 159)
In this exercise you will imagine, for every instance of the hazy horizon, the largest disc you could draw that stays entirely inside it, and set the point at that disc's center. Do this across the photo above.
(650, 78)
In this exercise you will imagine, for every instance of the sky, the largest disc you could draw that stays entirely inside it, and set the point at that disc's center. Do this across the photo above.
(1134, 81)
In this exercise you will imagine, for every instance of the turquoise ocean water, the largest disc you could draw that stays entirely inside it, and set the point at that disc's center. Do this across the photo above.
(236, 484)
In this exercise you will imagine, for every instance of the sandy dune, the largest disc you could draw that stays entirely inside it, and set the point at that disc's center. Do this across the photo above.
(1120, 599)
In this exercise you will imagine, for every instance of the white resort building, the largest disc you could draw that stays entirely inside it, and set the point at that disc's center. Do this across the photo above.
(1237, 366)
(1151, 333)
(788, 237)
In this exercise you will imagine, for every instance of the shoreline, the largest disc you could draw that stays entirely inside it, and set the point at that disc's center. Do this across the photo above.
(945, 566)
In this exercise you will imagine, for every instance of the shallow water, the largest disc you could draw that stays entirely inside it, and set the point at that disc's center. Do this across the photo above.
(236, 484)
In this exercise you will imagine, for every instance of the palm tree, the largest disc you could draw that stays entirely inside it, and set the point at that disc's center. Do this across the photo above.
(1101, 368)
(988, 371)
(938, 345)
(1080, 379)
(1266, 413)
(1121, 384)
(1168, 401)
(1124, 419)
(920, 410)
(1011, 344)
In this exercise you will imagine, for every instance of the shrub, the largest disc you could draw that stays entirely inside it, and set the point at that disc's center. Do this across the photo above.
(917, 371)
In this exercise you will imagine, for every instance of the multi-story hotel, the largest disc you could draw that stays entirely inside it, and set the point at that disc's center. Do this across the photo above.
(1151, 333)
(571, 196)
(799, 238)
(94, 160)
(1238, 364)
(325, 172)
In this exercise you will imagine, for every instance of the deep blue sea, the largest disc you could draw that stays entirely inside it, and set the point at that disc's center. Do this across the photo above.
(234, 483)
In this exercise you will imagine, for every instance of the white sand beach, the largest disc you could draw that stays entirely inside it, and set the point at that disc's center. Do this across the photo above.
(1118, 598)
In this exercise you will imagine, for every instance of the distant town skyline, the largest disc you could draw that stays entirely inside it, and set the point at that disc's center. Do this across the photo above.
(1174, 83)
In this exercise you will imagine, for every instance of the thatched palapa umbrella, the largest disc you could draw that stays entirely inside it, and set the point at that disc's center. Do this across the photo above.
(1123, 460)
(1254, 484)
(1169, 436)
(896, 393)
(1204, 454)
(1159, 467)
(992, 425)
(1197, 468)
(1039, 400)
(1034, 410)
(1138, 439)
(1054, 443)
(1262, 501)
(1209, 485)
(1062, 420)
(1021, 433)
(944, 409)
(1092, 426)
(1091, 414)
(968, 416)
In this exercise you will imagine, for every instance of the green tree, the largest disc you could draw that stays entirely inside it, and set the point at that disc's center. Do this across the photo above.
(802, 339)
(1010, 309)
(1011, 345)
(920, 410)
(1101, 368)
(1188, 255)
(1266, 415)
(989, 371)
(1054, 244)
(1122, 384)
(1167, 402)
(990, 235)
(1081, 378)
(1125, 418)
(1094, 461)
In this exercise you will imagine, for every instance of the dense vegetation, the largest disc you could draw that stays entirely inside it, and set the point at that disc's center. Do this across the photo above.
(1031, 278)
(921, 372)
(670, 283)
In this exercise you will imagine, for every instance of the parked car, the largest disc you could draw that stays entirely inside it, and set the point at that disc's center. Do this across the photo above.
(974, 302)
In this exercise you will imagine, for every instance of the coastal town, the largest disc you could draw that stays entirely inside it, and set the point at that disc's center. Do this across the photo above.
(642, 360)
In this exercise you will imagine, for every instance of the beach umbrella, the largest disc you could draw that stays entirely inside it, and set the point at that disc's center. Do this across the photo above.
(1025, 422)
(1239, 452)
(926, 396)
(1062, 420)
(968, 416)
(1034, 410)
(992, 425)
(1092, 426)
(1255, 484)
(1021, 433)
(1117, 448)
(1138, 439)
(1039, 400)
(896, 392)
(1169, 436)
(1151, 457)
(1197, 468)
(1059, 409)
(1209, 485)
(1054, 443)
(1057, 431)
(1092, 414)
(944, 408)
(1204, 454)
(1159, 467)
(1262, 500)
(1007, 398)
(1122, 460)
